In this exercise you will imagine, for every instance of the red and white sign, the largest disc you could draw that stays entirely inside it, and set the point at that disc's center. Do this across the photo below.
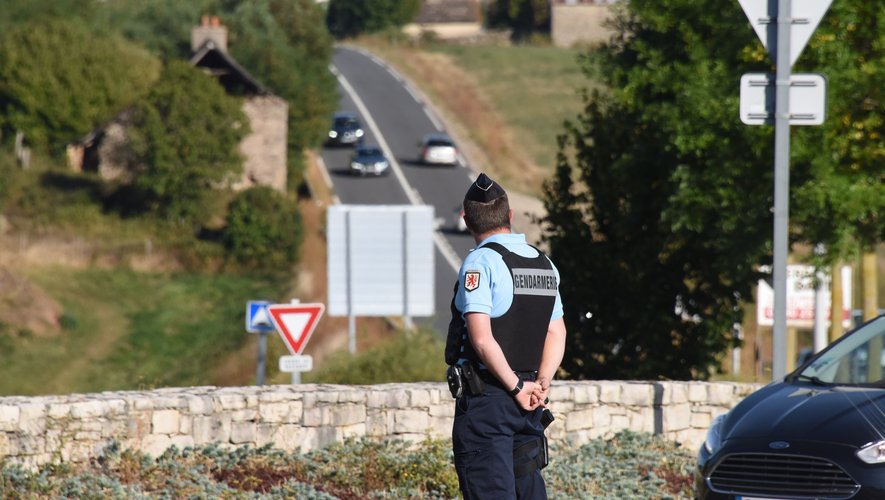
(295, 323)
(800, 298)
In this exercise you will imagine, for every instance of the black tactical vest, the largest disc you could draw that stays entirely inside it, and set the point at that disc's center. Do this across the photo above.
(522, 330)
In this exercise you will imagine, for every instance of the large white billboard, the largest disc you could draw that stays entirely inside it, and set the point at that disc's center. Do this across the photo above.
(380, 260)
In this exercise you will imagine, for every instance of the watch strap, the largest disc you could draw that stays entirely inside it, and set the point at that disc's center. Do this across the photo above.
(516, 390)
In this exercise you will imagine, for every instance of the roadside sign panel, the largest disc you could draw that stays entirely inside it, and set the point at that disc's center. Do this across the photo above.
(800, 298)
(257, 318)
(805, 14)
(808, 99)
(296, 364)
(295, 323)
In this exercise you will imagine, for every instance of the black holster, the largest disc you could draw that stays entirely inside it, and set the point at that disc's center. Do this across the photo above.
(463, 378)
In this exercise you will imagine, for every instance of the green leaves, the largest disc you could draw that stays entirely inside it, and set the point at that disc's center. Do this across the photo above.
(58, 80)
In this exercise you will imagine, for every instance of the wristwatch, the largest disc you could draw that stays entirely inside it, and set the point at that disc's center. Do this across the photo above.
(516, 390)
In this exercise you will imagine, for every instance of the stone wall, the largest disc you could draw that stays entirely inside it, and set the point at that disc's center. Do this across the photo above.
(76, 427)
(265, 148)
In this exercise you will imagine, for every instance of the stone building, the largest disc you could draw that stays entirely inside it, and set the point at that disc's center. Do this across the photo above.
(264, 150)
(579, 22)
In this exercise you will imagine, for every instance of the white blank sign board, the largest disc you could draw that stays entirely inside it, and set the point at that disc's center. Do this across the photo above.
(380, 260)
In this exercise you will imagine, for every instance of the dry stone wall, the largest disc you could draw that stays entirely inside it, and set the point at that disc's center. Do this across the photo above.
(76, 427)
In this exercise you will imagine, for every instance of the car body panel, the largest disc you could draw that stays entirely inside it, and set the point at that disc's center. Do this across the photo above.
(819, 416)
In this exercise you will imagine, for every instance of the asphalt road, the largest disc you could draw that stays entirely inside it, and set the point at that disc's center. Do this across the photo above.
(395, 117)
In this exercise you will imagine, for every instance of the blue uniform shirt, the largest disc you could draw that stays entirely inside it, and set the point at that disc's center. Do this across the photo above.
(492, 292)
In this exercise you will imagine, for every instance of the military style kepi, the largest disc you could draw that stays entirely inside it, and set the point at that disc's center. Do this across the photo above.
(484, 190)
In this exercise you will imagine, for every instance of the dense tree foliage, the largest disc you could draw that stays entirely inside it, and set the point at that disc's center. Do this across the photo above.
(59, 80)
(185, 136)
(522, 17)
(348, 18)
(839, 167)
(264, 229)
(659, 211)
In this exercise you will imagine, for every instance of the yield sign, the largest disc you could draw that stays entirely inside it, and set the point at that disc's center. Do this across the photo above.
(805, 15)
(295, 323)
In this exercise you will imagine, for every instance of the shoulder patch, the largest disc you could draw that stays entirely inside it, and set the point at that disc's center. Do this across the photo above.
(471, 280)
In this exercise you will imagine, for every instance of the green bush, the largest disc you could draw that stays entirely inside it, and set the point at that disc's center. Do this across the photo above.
(410, 357)
(264, 229)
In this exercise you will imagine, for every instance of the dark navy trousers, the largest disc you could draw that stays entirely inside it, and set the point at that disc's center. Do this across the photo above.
(488, 427)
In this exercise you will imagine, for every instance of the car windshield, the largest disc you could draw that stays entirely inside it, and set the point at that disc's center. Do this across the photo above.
(345, 122)
(368, 152)
(856, 359)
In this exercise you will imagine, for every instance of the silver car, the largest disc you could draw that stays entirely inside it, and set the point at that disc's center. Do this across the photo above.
(369, 160)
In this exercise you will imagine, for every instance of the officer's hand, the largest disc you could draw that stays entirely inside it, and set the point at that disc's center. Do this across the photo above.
(543, 390)
(526, 398)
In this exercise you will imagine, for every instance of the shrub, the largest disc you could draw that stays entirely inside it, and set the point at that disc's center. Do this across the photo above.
(264, 229)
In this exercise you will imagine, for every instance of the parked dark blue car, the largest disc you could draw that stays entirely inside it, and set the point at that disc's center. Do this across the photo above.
(817, 434)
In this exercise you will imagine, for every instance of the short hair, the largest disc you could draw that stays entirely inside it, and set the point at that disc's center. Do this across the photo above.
(484, 217)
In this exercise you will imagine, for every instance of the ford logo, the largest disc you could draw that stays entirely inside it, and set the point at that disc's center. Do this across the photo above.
(778, 445)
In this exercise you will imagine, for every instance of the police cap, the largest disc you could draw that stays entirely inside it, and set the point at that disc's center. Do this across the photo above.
(484, 190)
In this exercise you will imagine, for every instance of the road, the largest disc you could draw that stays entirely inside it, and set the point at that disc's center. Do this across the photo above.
(395, 117)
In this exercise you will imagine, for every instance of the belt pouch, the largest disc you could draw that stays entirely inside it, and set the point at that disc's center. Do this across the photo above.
(471, 377)
(454, 379)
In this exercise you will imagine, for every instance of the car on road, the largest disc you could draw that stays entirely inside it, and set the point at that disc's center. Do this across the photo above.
(817, 434)
(437, 149)
(369, 160)
(346, 130)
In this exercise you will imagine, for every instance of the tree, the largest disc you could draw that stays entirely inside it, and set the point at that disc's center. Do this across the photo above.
(286, 46)
(59, 80)
(659, 212)
(841, 203)
(523, 17)
(349, 18)
(185, 136)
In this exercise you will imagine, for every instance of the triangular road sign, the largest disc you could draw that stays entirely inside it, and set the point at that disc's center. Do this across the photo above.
(295, 323)
(806, 15)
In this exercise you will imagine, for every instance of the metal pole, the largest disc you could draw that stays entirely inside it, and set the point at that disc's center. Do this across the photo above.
(262, 355)
(407, 317)
(821, 307)
(781, 188)
(351, 318)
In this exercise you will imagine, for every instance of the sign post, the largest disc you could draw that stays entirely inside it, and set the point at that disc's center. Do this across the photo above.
(258, 321)
(785, 46)
(295, 323)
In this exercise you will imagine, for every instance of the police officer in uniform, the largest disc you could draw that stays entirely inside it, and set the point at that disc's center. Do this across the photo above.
(505, 343)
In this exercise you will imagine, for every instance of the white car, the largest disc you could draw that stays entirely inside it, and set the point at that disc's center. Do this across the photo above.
(437, 149)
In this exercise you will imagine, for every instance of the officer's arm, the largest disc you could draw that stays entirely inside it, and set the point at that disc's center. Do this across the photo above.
(479, 329)
(554, 350)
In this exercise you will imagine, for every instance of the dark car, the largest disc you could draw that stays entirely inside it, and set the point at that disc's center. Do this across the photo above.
(817, 434)
(346, 130)
(369, 160)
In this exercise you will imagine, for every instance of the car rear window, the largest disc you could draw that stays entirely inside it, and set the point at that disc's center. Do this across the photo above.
(439, 142)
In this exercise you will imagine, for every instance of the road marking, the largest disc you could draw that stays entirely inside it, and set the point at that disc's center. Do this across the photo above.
(445, 248)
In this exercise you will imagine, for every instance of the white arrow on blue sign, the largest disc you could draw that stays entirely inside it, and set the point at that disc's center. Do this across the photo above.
(257, 318)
